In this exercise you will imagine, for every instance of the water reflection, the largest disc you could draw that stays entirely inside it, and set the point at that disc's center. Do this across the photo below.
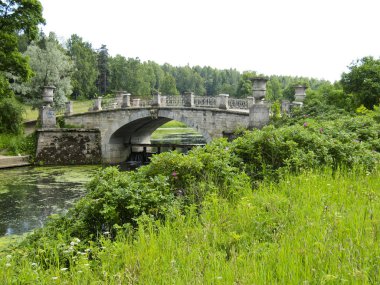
(29, 195)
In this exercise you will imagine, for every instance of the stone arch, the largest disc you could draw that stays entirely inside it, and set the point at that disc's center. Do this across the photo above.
(138, 128)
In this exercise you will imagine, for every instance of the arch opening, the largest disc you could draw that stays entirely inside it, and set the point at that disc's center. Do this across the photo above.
(136, 138)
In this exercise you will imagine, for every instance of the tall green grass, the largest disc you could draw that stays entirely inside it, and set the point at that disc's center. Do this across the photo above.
(319, 227)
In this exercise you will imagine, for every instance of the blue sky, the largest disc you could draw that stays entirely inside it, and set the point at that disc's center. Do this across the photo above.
(293, 37)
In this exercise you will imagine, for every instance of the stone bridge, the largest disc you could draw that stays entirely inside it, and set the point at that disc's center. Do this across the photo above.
(125, 122)
(111, 129)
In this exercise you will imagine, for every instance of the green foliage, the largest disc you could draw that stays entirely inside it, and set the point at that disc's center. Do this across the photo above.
(245, 84)
(104, 70)
(17, 17)
(5, 89)
(344, 143)
(363, 81)
(52, 67)
(12, 144)
(315, 227)
(85, 74)
(168, 86)
(11, 120)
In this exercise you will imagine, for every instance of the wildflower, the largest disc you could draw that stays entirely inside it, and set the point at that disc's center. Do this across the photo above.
(64, 269)
(175, 175)
(33, 264)
(106, 233)
(54, 278)
(305, 124)
(321, 130)
(72, 243)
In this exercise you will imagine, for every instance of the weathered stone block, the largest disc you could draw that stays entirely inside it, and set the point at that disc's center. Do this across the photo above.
(68, 146)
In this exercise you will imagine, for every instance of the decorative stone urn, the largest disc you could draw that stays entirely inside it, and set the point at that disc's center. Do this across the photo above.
(47, 113)
(299, 93)
(48, 95)
(259, 88)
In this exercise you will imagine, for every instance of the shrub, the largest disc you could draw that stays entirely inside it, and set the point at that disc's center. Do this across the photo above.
(11, 120)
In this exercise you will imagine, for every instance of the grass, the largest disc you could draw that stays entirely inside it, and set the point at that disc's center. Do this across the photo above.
(174, 124)
(11, 144)
(78, 107)
(314, 228)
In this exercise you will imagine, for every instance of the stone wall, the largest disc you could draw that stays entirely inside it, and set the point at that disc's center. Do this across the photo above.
(68, 146)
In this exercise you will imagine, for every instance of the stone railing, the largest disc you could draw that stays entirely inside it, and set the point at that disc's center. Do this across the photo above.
(205, 101)
(240, 104)
(221, 101)
(173, 101)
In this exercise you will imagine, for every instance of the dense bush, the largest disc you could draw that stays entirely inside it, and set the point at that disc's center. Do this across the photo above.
(11, 120)
(342, 143)
(11, 144)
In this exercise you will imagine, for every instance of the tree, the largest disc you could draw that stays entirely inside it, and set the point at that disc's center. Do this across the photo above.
(168, 86)
(274, 90)
(119, 73)
(51, 66)
(84, 77)
(17, 17)
(363, 81)
(245, 84)
(104, 71)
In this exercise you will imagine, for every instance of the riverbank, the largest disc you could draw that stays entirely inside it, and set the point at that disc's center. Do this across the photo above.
(14, 161)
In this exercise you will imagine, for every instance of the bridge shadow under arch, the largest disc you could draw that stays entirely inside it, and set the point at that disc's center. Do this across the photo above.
(140, 131)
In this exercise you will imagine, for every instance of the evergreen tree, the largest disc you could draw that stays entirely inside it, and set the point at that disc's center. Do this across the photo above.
(103, 69)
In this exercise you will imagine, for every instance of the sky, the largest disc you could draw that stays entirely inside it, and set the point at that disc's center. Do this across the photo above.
(310, 38)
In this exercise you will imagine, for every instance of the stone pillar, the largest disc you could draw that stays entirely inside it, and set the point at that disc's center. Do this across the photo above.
(119, 97)
(97, 104)
(136, 102)
(163, 101)
(47, 113)
(258, 115)
(188, 99)
(259, 88)
(126, 100)
(156, 99)
(69, 108)
(299, 93)
(251, 101)
(285, 106)
(222, 101)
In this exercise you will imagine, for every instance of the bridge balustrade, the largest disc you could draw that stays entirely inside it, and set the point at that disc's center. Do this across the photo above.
(205, 101)
(241, 104)
(176, 101)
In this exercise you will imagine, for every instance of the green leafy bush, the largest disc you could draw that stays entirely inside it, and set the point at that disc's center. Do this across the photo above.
(294, 148)
(11, 120)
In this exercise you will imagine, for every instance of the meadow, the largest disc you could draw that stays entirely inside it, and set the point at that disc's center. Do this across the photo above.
(318, 227)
